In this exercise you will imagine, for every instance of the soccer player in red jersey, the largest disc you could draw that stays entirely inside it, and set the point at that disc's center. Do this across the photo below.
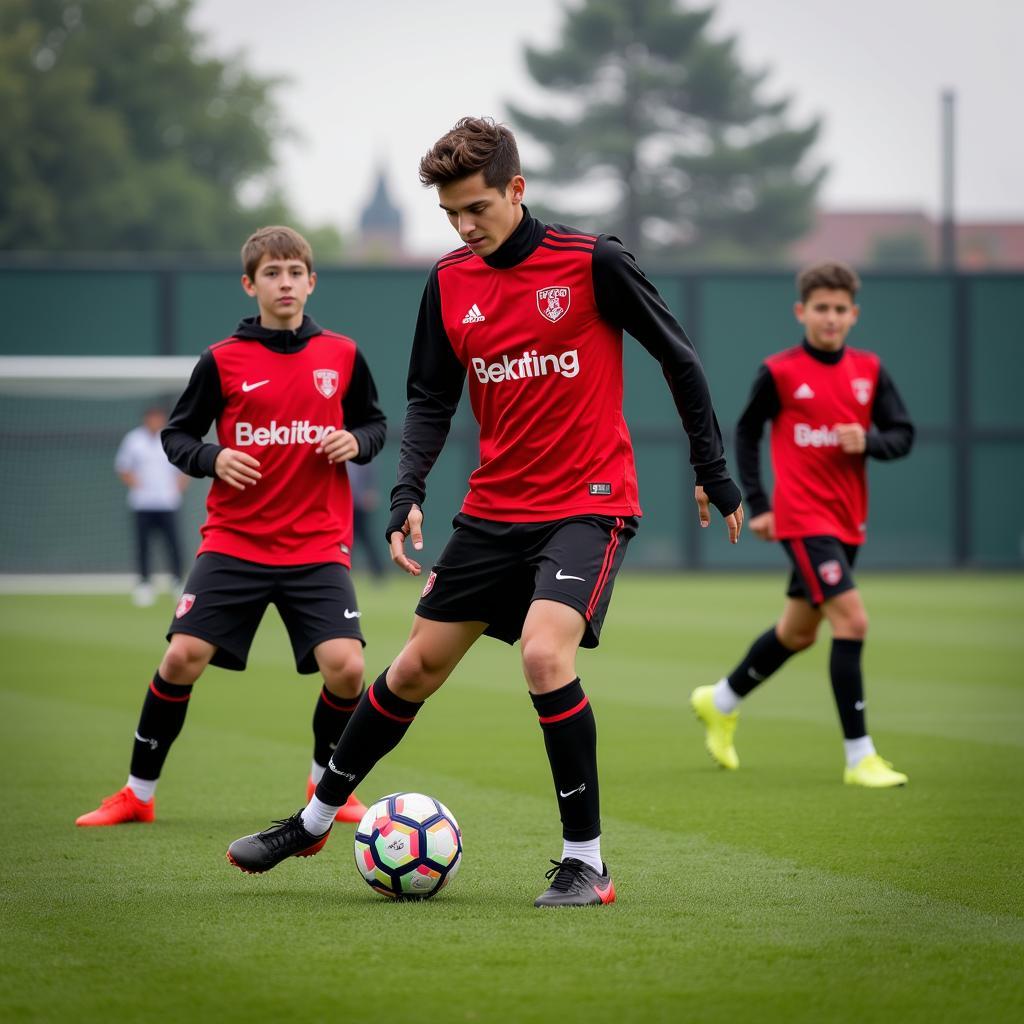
(830, 407)
(532, 316)
(292, 404)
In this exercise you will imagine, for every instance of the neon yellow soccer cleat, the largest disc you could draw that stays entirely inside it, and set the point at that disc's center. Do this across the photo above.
(719, 727)
(874, 772)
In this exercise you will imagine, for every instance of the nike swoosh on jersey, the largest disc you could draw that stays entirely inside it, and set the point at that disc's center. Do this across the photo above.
(246, 386)
(562, 576)
(352, 615)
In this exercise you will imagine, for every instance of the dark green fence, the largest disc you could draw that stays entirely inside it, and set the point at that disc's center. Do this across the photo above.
(953, 343)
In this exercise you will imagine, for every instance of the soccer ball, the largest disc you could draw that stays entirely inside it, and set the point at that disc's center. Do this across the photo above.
(408, 846)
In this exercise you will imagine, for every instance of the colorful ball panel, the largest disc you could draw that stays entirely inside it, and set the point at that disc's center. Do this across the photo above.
(408, 845)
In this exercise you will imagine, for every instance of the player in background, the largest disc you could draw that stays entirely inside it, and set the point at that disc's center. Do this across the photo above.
(533, 315)
(830, 407)
(154, 496)
(292, 403)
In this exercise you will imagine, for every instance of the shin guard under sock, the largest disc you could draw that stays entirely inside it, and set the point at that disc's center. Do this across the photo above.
(330, 718)
(570, 738)
(377, 725)
(848, 686)
(766, 655)
(163, 715)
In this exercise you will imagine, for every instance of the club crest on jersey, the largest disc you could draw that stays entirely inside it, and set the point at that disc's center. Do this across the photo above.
(430, 584)
(184, 605)
(553, 303)
(861, 389)
(326, 382)
(831, 572)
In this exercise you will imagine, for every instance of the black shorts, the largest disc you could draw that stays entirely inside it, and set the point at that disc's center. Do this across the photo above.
(491, 572)
(822, 568)
(225, 598)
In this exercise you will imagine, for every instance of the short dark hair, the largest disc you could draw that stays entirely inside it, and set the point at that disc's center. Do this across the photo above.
(827, 274)
(278, 241)
(473, 144)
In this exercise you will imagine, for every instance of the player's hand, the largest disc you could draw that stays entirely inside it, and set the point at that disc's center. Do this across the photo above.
(338, 446)
(853, 438)
(763, 526)
(237, 469)
(733, 521)
(410, 526)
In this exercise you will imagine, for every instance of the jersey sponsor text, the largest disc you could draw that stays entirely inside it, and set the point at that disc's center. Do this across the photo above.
(529, 364)
(806, 436)
(297, 432)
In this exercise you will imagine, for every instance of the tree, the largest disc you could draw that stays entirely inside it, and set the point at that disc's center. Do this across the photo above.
(700, 168)
(121, 135)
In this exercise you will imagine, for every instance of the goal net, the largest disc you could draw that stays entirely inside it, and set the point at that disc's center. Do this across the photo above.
(64, 518)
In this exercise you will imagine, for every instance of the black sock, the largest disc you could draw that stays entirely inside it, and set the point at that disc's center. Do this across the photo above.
(163, 715)
(570, 738)
(848, 686)
(330, 717)
(378, 723)
(766, 655)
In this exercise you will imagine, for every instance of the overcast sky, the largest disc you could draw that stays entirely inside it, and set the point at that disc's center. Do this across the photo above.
(378, 83)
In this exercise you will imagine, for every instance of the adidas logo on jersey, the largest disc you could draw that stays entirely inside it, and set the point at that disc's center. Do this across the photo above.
(296, 432)
(804, 391)
(474, 316)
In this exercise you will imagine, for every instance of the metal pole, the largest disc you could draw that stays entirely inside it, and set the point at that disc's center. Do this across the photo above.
(948, 253)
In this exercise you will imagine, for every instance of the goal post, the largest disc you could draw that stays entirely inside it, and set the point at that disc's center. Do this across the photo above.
(64, 518)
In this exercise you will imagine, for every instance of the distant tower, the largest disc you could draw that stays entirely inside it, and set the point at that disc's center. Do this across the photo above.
(380, 227)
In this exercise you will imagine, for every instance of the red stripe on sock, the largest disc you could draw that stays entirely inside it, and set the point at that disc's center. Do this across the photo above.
(565, 714)
(387, 714)
(807, 571)
(606, 566)
(164, 696)
(339, 707)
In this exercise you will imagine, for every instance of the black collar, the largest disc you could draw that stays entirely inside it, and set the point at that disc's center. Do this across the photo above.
(829, 358)
(278, 341)
(520, 244)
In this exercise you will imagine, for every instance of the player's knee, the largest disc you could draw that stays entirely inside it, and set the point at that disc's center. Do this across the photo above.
(798, 639)
(416, 673)
(854, 626)
(544, 662)
(185, 658)
(344, 676)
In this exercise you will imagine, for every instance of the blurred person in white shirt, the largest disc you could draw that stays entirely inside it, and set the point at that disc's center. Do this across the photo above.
(154, 496)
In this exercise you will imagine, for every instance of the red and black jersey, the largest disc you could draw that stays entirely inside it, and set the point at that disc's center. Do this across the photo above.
(536, 327)
(805, 392)
(274, 395)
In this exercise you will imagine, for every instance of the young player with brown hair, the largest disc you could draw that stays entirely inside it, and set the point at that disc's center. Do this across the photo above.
(292, 404)
(532, 315)
(831, 407)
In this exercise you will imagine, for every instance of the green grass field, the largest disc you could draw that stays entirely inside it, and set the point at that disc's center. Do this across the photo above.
(772, 894)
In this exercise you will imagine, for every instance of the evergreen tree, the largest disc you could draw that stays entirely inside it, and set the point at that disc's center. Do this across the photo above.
(121, 134)
(665, 120)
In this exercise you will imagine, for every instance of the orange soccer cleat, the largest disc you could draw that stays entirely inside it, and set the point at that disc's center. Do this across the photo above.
(352, 810)
(120, 809)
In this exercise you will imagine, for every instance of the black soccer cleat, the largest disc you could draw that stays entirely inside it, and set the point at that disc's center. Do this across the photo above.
(575, 884)
(263, 850)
